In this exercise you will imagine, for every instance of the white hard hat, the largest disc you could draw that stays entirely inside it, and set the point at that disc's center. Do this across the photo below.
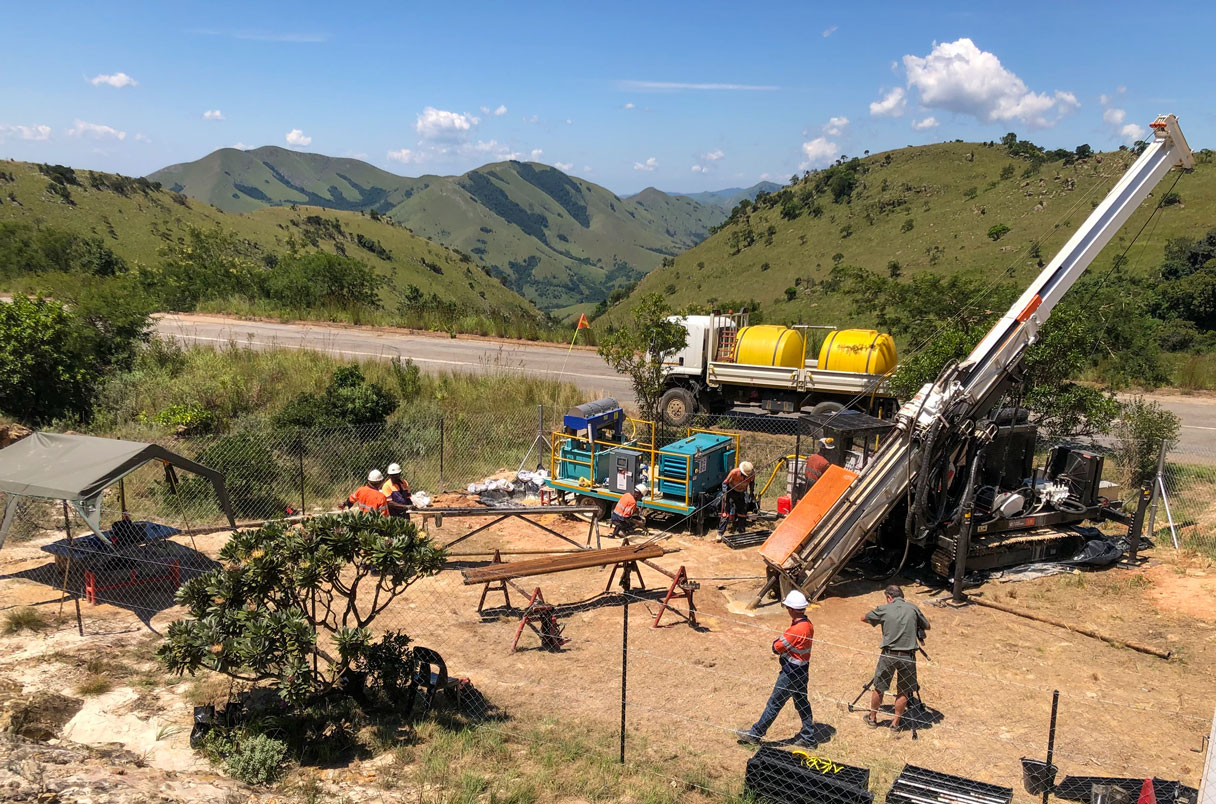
(747, 468)
(374, 476)
(394, 469)
(795, 600)
(640, 488)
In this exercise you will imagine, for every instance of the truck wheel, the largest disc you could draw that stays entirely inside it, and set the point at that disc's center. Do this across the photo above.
(678, 406)
(827, 408)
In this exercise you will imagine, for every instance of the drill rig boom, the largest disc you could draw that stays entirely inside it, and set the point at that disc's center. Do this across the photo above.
(947, 409)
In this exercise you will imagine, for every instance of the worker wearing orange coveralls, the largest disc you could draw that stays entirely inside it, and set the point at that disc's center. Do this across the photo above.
(626, 515)
(368, 498)
(793, 648)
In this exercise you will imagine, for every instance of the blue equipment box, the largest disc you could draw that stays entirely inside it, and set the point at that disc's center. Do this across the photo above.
(709, 456)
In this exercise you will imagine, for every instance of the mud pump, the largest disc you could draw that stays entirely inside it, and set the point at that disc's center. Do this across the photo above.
(942, 432)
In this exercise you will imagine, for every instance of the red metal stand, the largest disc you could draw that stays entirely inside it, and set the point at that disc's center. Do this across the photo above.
(686, 588)
(538, 611)
(91, 588)
(501, 586)
(626, 567)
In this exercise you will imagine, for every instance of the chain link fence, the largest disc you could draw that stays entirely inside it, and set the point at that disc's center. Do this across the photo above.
(667, 668)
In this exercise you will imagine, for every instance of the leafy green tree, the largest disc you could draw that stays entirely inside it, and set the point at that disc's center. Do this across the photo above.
(641, 350)
(45, 361)
(998, 231)
(288, 598)
(350, 400)
(210, 264)
(1139, 434)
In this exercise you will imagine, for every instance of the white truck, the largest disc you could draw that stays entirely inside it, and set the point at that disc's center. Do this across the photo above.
(727, 362)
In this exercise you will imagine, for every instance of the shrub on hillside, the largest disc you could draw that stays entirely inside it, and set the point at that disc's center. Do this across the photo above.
(350, 400)
(1141, 429)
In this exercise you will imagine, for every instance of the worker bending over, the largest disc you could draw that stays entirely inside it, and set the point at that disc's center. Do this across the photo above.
(368, 498)
(627, 515)
(902, 627)
(813, 469)
(397, 492)
(734, 497)
(793, 649)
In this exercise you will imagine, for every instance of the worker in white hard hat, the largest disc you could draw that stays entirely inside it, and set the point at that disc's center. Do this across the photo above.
(397, 491)
(793, 649)
(734, 497)
(627, 514)
(368, 498)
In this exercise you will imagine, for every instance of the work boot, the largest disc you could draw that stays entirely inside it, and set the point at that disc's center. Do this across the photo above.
(747, 737)
(804, 742)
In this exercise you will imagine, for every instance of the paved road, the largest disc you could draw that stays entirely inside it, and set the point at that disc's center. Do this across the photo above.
(582, 367)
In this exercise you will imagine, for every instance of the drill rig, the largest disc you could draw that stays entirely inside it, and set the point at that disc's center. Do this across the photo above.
(943, 431)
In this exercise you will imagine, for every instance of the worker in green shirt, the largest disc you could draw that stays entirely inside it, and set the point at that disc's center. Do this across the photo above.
(902, 628)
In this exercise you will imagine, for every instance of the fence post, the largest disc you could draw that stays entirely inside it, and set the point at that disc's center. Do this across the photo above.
(300, 450)
(442, 438)
(624, 655)
(1051, 743)
(1157, 481)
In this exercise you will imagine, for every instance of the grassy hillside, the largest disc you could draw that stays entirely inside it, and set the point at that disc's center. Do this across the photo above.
(135, 220)
(918, 210)
(557, 240)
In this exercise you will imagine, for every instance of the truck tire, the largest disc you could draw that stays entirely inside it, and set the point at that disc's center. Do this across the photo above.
(677, 406)
(827, 408)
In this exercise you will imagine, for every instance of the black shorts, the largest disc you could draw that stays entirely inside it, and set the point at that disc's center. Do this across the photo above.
(900, 666)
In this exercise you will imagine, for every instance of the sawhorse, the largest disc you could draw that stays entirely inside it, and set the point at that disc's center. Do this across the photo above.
(538, 611)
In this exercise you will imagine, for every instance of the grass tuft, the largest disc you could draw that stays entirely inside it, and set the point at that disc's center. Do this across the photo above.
(25, 618)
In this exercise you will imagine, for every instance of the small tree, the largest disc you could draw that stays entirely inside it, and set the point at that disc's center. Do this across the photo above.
(997, 232)
(641, 350)
(288, 599)
(1139, 433)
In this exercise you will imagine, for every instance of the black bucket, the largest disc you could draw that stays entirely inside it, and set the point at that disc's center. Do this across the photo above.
(1037, 777)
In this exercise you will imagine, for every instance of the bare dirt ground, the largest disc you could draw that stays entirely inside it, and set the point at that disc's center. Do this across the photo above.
(1122, 713)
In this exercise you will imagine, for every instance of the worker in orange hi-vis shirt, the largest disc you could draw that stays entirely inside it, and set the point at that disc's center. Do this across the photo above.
(793, 648)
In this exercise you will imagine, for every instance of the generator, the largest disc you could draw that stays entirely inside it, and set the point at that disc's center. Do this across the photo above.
(698, 464)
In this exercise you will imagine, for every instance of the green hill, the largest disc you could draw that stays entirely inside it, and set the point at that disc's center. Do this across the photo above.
(135, 219)
(555, 239)
(915, 210)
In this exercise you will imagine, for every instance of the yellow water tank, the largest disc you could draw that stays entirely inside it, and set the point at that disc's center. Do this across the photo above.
(770, 345)
(865, 351)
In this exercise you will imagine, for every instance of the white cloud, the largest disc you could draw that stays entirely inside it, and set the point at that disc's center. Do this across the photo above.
(587, 168)
(926, 124)
(531, 119)
(1132, 132)
(1116, 120)
(569, 122)
(564, 167)
(831, 30)
(213, 114)
(500, 111)
(297, 138)
(404, 156)
(713, 156)
(629, 106)
(649, 165)
(818, 152)
(679, 85)
(443, 126)
(536, 154)
(699, 169)
(240, 146)
(36, 133)
(142, 138)
(117, 80)
(836, 126)
(891, 105)
(95, 131)
(961, 78)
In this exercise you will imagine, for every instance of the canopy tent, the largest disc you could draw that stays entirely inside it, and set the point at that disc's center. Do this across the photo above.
(78, 468)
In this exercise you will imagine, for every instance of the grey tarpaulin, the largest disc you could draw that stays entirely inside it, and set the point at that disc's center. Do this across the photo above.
(78, 468)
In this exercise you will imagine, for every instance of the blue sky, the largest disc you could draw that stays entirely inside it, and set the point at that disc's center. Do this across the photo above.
(682, 96)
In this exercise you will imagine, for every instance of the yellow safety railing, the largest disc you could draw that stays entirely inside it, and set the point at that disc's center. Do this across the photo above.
(781, 462)
(649, 449)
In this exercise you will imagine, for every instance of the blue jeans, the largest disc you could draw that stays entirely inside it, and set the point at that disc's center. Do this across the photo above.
(791, 683)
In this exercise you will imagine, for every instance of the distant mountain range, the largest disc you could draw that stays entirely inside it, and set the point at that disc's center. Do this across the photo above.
(727, 199)
(559, 241)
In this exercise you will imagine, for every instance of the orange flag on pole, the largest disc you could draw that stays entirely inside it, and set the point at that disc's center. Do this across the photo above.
(582, 322)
